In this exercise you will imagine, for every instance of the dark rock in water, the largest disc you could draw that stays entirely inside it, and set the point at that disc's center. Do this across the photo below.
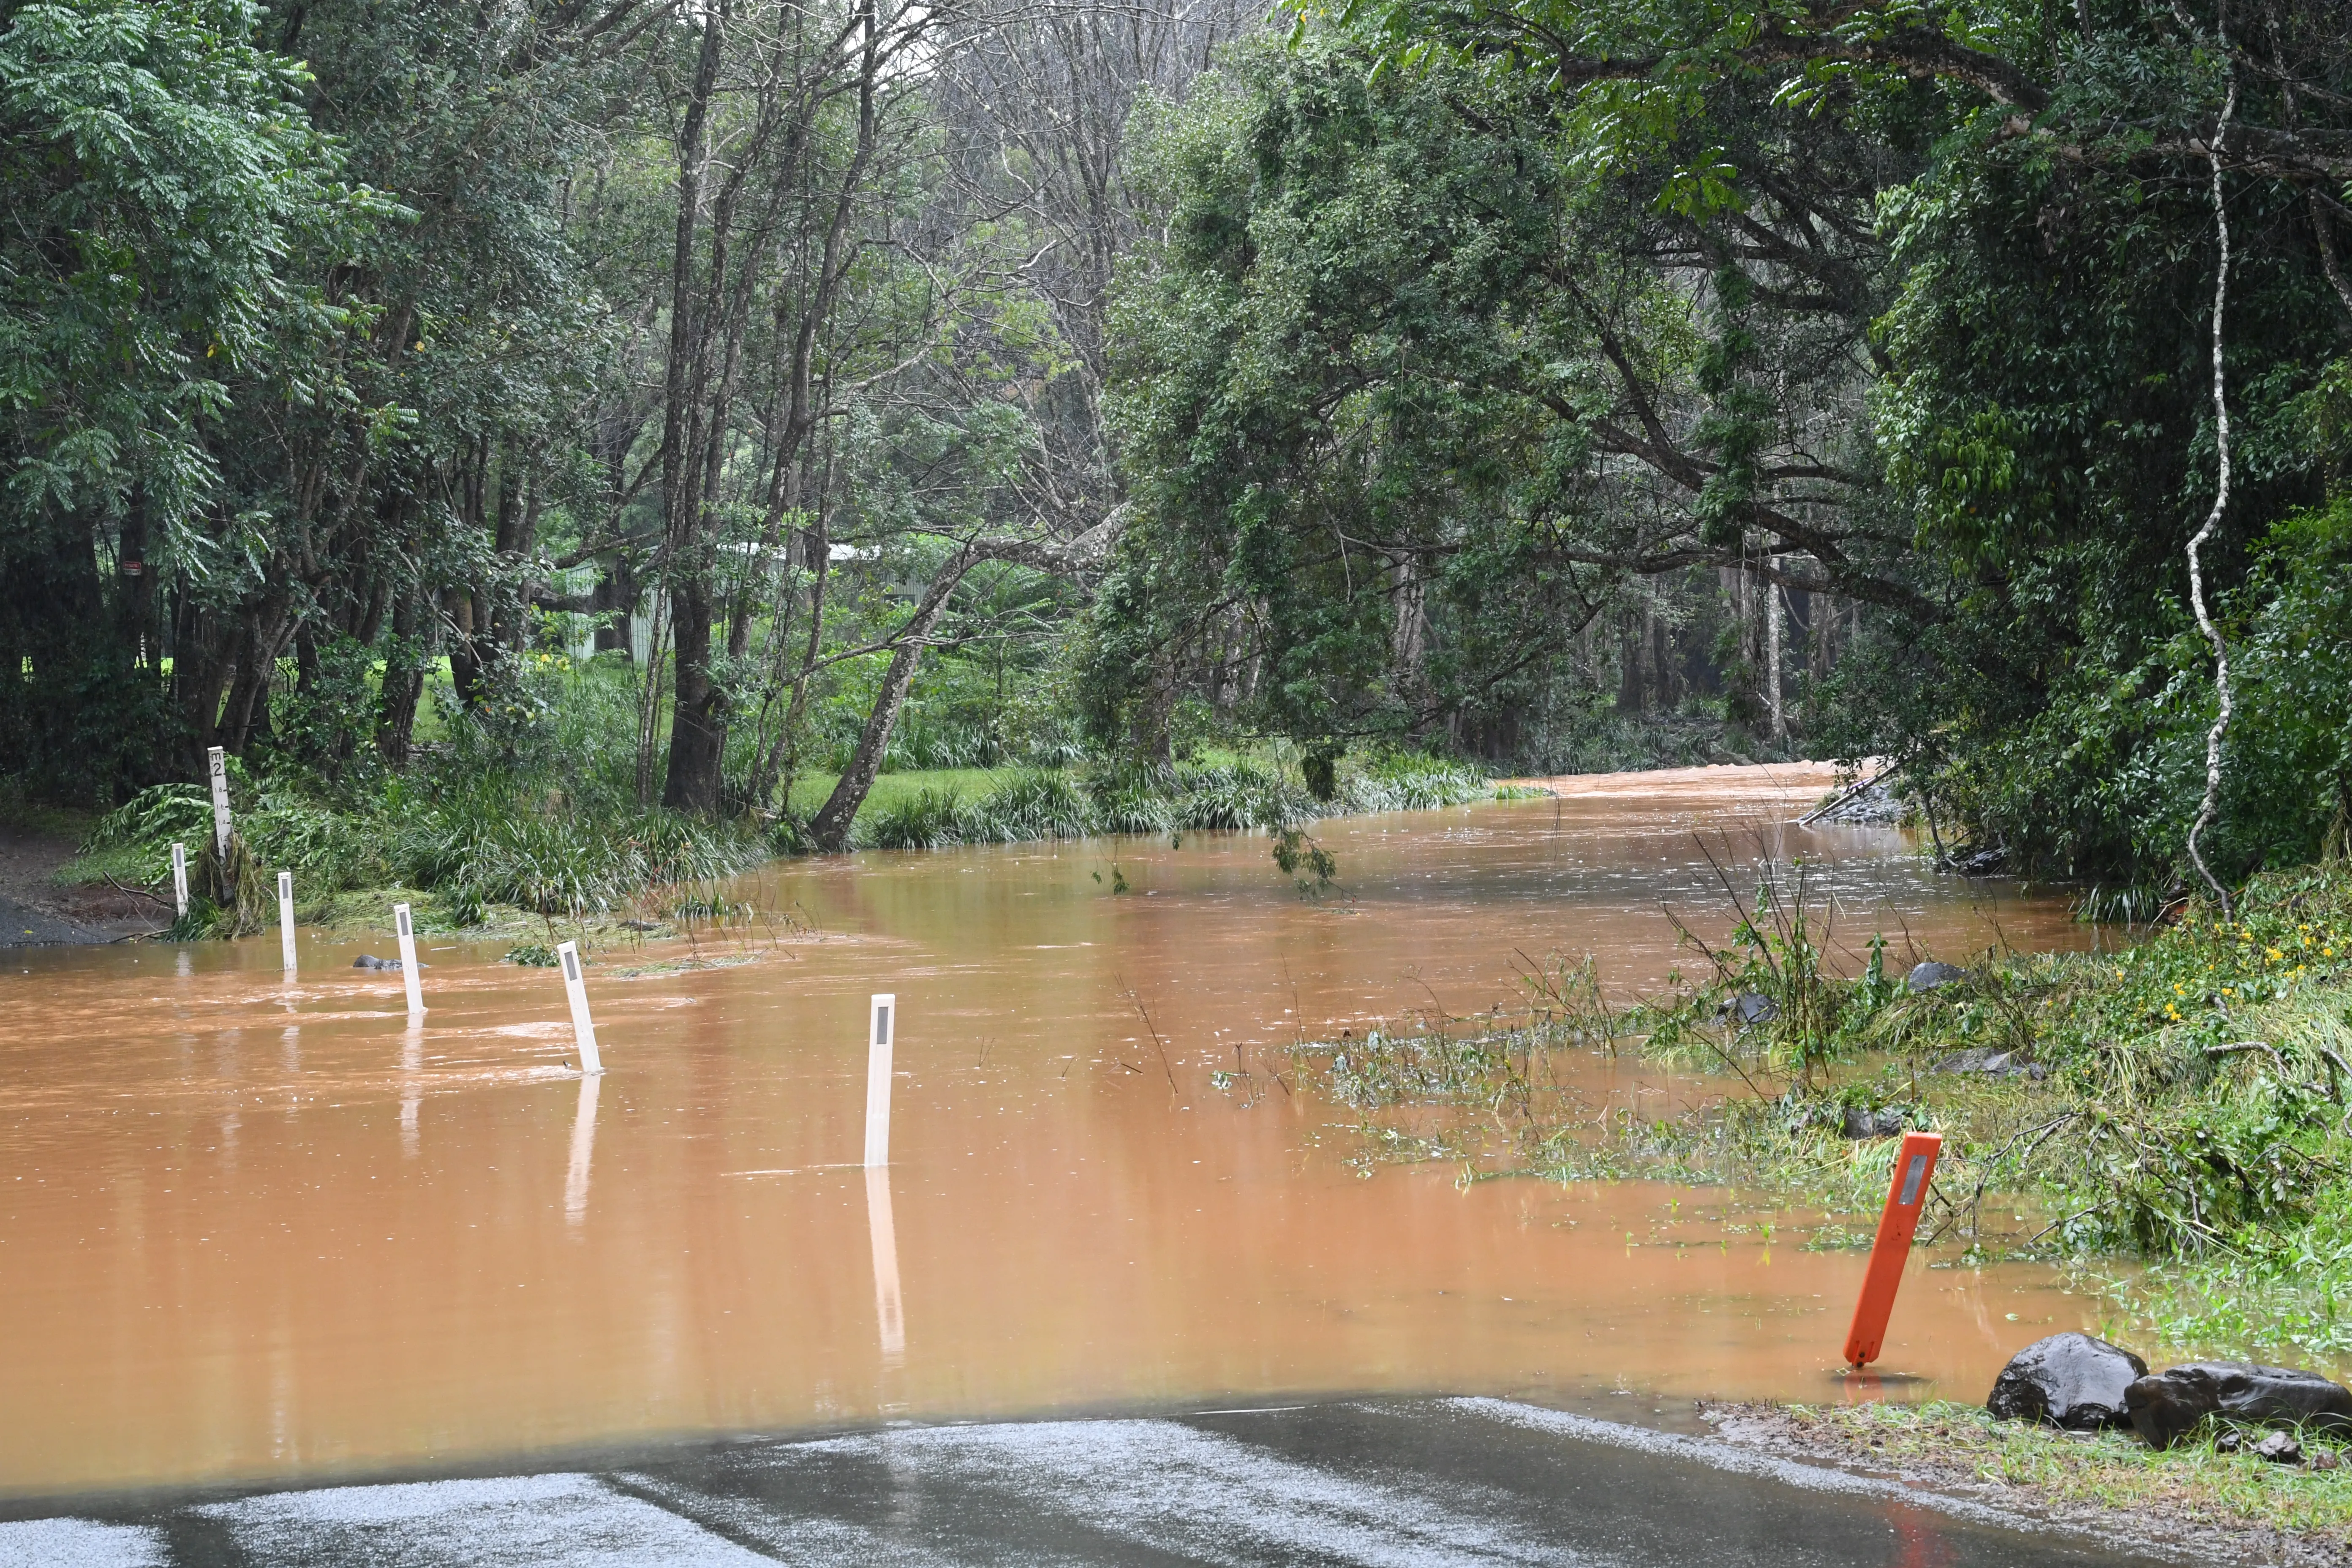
(1980, 863)
(2229, 1443)
(1930, 975)
(370, 961)
(1983, 1059)
(1750, 1007)
(2068, 1380)
(2280, 1449)
(2168, 1405)
(1860, 1121)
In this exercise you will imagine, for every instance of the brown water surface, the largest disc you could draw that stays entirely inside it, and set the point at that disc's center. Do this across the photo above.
(266, 1231)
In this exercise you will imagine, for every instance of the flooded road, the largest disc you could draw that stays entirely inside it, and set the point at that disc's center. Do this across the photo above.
(261, 1233)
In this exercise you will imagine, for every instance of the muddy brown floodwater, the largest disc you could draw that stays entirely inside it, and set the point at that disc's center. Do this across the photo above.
(264, 1232)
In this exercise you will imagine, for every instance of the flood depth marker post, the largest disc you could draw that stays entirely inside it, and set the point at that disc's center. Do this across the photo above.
(179, 878)
(878, 1083)
(583, 1031)
(1914, 1164)
(406, 928)
(216, 763)
(286, 917)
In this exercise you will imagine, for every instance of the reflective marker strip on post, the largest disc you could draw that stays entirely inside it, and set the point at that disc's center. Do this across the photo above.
(583, 1031)
(179, 878)
(1914, 1167)
(878, 1083)
(216, 762)
(406, 931)
(286, 917)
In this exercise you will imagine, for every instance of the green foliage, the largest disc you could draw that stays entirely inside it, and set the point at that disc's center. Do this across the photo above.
(928, 819)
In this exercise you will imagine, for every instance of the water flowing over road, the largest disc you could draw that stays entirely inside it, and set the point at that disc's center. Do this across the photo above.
(255, 1233)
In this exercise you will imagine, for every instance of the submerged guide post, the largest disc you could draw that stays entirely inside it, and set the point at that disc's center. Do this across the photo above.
(583, 1031)
(179, 878)
(878, 1083)
(1914, 1164)
(406, 928)
(286, 918)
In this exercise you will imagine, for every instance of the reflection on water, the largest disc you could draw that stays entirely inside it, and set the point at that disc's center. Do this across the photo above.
(370, 1244)
(889, 1310)
(583, 1150)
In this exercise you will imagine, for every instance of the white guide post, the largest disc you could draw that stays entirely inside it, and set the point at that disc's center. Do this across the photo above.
(179, 878)
(286, 917)
(582, 1030)
(406, 930)
(216, 762)
(878, 1083)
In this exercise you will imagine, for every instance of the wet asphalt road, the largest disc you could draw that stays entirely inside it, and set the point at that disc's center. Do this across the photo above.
(1437, 1482)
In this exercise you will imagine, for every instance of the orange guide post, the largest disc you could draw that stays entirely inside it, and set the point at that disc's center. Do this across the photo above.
(1913, 1168)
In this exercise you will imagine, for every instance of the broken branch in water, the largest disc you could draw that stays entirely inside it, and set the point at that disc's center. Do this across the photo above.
(1158, 1043)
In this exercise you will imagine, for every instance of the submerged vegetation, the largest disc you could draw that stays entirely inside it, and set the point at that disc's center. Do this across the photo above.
(540, 816)
(2172, 1117)
(1239, 794)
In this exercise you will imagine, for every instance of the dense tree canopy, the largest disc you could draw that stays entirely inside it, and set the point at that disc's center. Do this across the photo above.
(1558, 381)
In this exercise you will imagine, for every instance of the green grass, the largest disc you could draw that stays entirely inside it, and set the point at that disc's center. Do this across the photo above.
(2194, 1481)
(893, 790)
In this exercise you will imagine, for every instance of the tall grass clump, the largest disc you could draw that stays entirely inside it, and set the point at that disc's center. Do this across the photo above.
(1410, 782)
(926, 819)
(1037, 804)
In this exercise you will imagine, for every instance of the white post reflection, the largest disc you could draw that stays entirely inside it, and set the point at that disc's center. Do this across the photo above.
(887, 1306)
(584, 1147)
(411, 1086)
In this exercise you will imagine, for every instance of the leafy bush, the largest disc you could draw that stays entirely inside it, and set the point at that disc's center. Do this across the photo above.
(155, 818)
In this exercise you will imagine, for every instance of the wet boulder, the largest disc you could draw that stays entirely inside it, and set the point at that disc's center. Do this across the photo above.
(1750, 1007)
(1862, 1122)
(2280, 1449)
(370, 961)
(2070, 1380)
(2168, 1405)
(1930, 975)
(1981, 1059)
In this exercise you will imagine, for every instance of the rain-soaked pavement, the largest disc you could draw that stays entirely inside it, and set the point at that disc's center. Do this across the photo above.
(1431, 1483)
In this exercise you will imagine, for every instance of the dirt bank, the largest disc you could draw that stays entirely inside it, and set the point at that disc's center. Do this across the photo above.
(35, 910)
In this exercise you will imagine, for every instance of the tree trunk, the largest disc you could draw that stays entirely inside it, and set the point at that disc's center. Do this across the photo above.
(404, 684)
(697, 735)
(830, 830)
